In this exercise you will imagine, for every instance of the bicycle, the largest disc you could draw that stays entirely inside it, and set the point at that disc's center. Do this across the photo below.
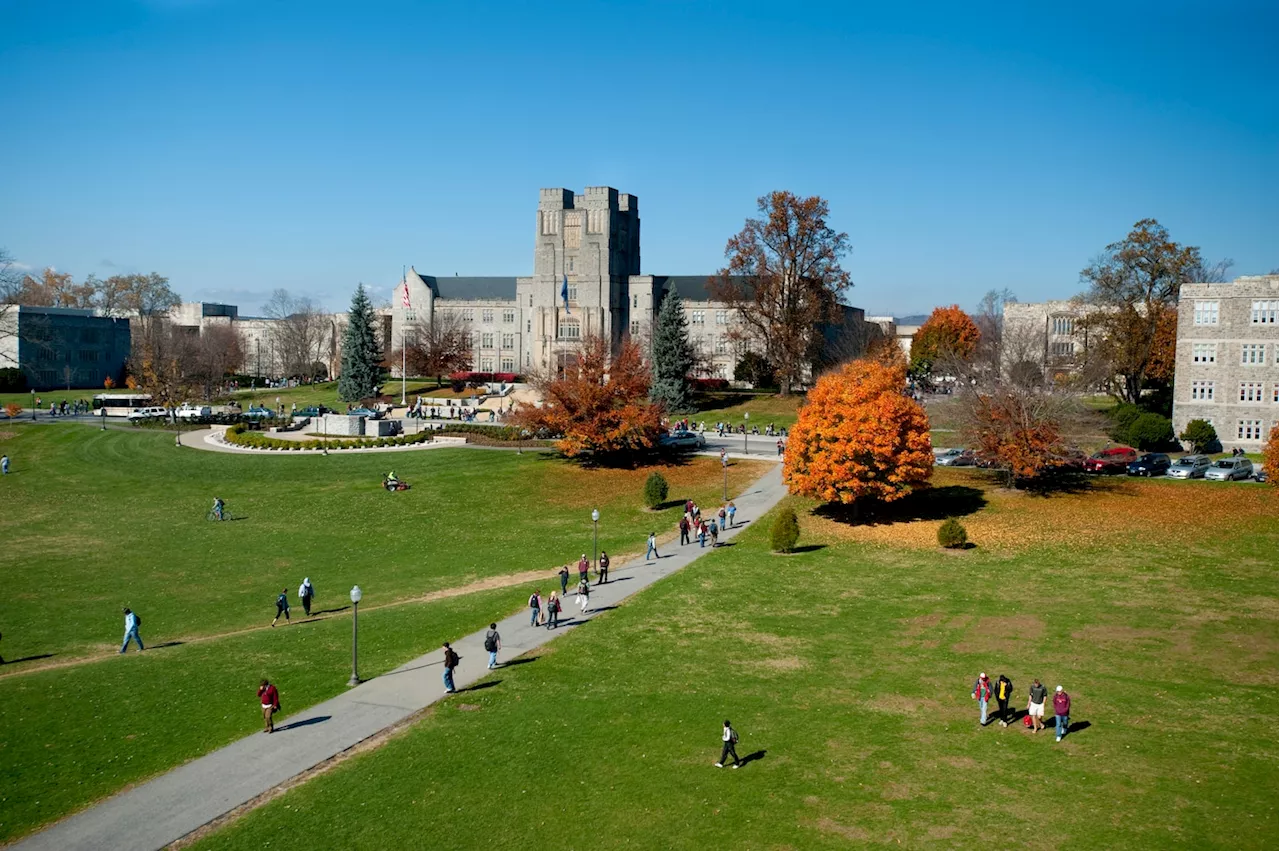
(213, 515)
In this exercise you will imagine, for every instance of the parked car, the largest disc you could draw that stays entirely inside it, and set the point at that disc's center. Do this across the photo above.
(1230, 469)
(956, 458)
(364, 412)
(257, 412)
(1189, 467)
(313, 411)
(193, 412)
(1113, 460)
(683, 440)
(1151, 464)
(152, 413)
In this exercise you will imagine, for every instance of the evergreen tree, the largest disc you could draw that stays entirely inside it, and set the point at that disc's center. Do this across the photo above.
(360, 352)
(672, 356)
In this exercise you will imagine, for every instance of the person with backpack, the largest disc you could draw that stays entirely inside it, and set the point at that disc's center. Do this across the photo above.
(729, 740)
(1061, 712)
(535, 608)
(269, 697)
(450, 662)
(722, 515)
(131, 624)
(684, 530)
(564, 578)
(306, 592)
(493, 643)
(553, 611)
(282, 606)
(584, 594)
(1035, 705)
(653, 547)
(982, 694)
(584, 567)
(714, 529)
(1004, 690)
(702, 535)
(602, 571)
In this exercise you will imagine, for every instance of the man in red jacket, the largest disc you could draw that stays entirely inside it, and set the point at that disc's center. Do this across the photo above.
(270, 700)
(982, 694)
(1061, 711)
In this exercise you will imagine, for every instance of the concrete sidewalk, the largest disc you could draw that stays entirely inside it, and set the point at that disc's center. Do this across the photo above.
(185, 799)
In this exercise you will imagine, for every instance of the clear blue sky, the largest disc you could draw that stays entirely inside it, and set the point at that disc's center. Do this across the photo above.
(239, 145)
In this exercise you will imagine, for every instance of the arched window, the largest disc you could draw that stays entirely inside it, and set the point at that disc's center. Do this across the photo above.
(570, 330)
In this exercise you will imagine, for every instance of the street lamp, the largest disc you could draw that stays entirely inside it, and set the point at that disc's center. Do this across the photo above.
(355, 615)
(595, 536)
(745, 418)
(724, 464)
(33, 406)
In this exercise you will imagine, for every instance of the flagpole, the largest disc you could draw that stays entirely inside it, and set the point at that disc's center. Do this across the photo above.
(404, 376)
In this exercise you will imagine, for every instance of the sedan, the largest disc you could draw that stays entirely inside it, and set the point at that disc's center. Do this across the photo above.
(258, 413)
(1189, 467)
(683, 440)
(364, 412)
(313, 411)
(956, 458)
(1151, 464)
(1230, 469)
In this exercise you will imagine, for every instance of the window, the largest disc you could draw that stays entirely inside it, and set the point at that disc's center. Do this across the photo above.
(531, 299)
(1202, 390)
(508, 316)
(1275, 393)
(1064, 325)
(722, 345)
(635, 301)
(410, 316)
(508, 363)
(1062, 350)
(573, 292)
(468, 314)
(1206, 313)
(527, 359)
(568, 264)
(508, 341)
(1249, 430)
(1204, 353)
(635, 327)
(486, 364)
(1252, 354)
(569, 330)
(48, 376)
(1251, 391)
(699, 317)
(722, 317)
(89, 355)
(486, 341)
(89, 335)
(528, 326)
(486, 315)
(1263, 313)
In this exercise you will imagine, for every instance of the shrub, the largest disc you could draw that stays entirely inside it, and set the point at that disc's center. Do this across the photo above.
(1123, 415)
(1151, 431)
(1271, 456)
(655, 490)
(13, 409)
(1201, 435)
(951, 534)
(785, 531)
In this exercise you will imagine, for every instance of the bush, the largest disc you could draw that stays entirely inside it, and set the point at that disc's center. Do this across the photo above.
(1123, 415)
(1201, 435)
(951, 534)
(655, 490)
(785, 531)
(1151, 431)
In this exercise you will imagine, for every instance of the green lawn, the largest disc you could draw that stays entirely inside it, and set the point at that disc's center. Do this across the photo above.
(847, 669)
(93, 521)
(764, 408)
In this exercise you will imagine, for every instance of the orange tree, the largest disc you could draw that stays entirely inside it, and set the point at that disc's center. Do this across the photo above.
(1012, 431)
(599, 405)
(1270, 455)
(948, 334)
(859, 436)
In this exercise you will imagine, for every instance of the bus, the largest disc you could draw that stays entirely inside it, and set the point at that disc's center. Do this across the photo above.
(120, 404)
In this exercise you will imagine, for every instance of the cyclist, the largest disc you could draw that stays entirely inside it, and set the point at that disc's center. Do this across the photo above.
(218, 507)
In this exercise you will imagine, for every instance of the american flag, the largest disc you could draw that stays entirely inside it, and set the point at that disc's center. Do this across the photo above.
(404, 296)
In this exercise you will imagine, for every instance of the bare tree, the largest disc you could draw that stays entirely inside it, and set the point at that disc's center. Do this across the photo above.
(10, 286)
(438, 348)
(989, 317)
(299, 333)
(218, 352)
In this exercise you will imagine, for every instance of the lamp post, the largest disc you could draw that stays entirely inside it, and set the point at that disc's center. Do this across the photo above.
(355, 615)
(745, 418)
(724, 465)
(33, 406)
(595, 536)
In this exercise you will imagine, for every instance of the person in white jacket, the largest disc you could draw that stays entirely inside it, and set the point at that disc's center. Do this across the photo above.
(306, 591)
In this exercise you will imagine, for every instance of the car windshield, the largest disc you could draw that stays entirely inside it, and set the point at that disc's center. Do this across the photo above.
(1225, 464)
(1186, 462)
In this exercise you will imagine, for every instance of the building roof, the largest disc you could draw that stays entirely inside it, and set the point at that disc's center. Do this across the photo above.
(471, 288)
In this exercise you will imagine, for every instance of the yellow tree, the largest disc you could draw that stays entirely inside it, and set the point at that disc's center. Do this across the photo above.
(1270, 457)
(859, 436)
(947, 335)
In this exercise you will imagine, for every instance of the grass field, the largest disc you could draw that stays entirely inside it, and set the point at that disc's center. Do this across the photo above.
(847, 668)
(93, 521)
(763, 407)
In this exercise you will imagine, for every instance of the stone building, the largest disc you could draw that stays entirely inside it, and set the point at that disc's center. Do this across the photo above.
(1227, 358)
(1048, 336)
(62, 346)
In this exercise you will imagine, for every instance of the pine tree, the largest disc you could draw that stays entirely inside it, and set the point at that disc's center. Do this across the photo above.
(360, 352)
(672, 356)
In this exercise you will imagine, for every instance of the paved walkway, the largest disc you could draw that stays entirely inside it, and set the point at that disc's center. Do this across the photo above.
(185, 799)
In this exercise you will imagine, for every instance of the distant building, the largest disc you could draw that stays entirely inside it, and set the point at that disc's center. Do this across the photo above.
(1049, 337)
(62, 346)
(1227, 357)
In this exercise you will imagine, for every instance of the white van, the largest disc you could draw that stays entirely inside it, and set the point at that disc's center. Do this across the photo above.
(152, 413)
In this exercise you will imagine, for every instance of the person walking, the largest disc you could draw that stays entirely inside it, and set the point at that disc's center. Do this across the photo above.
(584, 594)
(535, 608)
(564, 578)
(269, 698)
(584, 566)
(714, 529)
(131, 624)
(652, 548)
(602, 568)
(4, 465)
(1061, 712)
(982, 694)
(722, 515)
(306, 592)
(684, 530)
(282, 606)
(702, 534)
(729, 745)
(493, 643)
(781, 447)
(450, 662)
(1035, 705)
(732, 511)
(1004, 691)
(553, 611)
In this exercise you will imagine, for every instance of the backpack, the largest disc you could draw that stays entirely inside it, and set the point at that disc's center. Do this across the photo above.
(1026, 721)
(451, 659)
(733, 736)
(533, 601)
(490, 643)
(137, 621)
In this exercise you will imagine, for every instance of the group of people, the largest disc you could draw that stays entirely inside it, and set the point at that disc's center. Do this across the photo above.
(546, 611)
(306, 594)
(1002, 690)
(62, 409)
(693, 525)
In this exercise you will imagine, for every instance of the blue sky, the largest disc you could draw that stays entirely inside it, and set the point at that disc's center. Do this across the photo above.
(238, 146)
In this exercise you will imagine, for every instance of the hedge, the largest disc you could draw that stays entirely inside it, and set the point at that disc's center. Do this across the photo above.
(238, 435)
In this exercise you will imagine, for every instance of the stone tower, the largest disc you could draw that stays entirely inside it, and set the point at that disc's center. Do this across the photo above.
(592, 241)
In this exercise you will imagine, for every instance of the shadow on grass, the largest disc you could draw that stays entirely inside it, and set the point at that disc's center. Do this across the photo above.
(329, 611)
(924, 504)
(27, 658)
(598, 609)
(752, 757)
(808, 548)
(305, 722)
(1077, 726)
(167, 644)
(481, 686)
(523, 660)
